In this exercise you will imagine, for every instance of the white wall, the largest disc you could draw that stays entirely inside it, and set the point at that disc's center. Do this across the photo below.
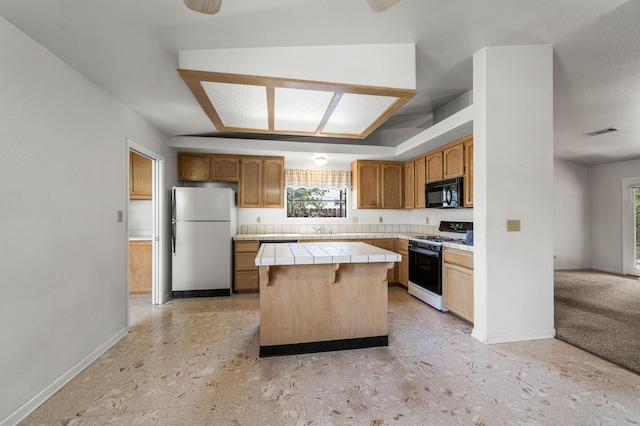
(513, 165)
(606, 213)
(63, 255)
(572, 215)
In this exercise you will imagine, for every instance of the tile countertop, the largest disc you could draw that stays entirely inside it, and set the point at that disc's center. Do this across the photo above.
(351, 236)
(322, 252)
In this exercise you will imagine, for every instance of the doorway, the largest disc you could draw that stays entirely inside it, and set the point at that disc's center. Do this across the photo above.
(150, 227)
(631, 226)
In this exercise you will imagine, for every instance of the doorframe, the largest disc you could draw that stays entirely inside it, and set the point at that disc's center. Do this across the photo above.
(628, 226)
(158, 234)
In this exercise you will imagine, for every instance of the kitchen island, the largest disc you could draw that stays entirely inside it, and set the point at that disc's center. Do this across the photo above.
(317, 297)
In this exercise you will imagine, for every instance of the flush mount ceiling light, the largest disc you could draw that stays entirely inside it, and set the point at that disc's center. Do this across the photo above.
(380, 5)
(320, 159)
(211, 7)
(274, 105)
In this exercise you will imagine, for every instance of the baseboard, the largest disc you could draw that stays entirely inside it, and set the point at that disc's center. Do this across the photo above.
(515, 337)
(29, 406)
(570, 268)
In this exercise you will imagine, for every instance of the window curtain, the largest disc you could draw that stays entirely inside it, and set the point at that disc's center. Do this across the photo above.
(317, 178)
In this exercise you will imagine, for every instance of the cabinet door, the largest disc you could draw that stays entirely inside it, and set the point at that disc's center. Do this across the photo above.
(368, 181)
(140, 267)
(409, 188)
(453, 161)
(388, 244)
(458, 291)
(273, 182)
(403, 269)
(392, 186)
(140, 171)
(193, 167)
(468, 173)
(402, 246)
(225, 168)
(434, 166)
(250, 186)
(420, 179)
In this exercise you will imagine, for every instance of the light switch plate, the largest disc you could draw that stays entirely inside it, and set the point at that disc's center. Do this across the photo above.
(258, 219)
(120, 218)
(380, 219)
(513, 225)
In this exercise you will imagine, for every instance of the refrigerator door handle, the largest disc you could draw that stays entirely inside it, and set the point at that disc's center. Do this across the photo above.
(173, 220)
(173, 237)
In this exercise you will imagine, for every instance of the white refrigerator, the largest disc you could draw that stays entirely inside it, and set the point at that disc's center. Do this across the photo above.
(203, 223)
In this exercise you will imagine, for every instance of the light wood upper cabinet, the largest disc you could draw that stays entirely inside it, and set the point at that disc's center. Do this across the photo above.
(420, 167)
(273, 182)
(409, 189)
(453, 161)
(434, 167)
(468, 172)
(208, 167)
(261, 182)
(250, 186)
(378, 184)
(193, 167)
(366, 177)
(225, 168)
(140, 171)
(392, 185)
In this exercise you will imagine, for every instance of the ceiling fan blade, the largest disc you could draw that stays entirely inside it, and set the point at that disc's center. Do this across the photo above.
(209, 7)
(380, 5)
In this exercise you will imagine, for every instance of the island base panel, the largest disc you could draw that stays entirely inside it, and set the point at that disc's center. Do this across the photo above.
(306, 304)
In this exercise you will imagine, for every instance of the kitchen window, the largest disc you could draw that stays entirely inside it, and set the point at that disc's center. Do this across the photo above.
(316, 202)
(317, 193)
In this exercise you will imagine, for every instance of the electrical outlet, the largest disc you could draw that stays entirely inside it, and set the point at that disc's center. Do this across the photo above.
(258, 219)
(380, 220)
(426, 221)
(354, 219)
(513, 226)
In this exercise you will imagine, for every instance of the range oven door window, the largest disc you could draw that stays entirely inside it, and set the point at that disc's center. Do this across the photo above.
(425, 269)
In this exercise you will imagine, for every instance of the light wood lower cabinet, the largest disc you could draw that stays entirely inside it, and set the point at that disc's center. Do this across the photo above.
(389, 244)
(246, 277)
(403, 266)
(140, 267)
(458, 283)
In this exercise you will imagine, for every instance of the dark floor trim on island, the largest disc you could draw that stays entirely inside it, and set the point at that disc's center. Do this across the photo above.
(326, 346)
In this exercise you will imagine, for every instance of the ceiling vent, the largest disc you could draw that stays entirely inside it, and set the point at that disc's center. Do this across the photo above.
(601, 132)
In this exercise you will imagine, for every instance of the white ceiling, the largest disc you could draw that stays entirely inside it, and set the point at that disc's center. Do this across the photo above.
(129, 48)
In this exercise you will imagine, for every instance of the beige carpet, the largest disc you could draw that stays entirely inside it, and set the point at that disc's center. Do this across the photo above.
(600, 313)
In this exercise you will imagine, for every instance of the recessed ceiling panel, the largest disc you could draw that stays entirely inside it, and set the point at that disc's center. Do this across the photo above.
(300, 110)
(239, 105)
(356, 113)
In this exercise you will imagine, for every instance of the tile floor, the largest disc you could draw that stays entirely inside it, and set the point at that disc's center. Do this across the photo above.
(195, 362)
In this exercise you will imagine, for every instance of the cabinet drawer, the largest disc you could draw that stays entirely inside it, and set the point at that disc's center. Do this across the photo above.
(458, 257)
(247, 281)
(247, 246)
(246, 262)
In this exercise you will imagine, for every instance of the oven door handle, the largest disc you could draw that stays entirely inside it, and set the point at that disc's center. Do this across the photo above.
(424, 251)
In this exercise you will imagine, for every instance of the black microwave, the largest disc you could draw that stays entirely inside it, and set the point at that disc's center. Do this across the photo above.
(444, 194)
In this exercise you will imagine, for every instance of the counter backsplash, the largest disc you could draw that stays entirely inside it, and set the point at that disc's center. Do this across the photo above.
(338, 229)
